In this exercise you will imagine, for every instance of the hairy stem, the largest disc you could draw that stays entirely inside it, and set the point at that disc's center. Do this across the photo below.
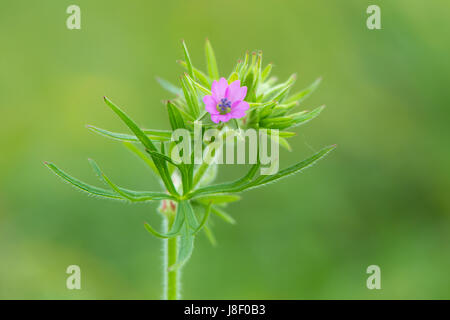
(171, 277)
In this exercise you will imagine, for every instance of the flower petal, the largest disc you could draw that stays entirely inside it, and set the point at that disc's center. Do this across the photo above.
(238, 109)
(218, 88)
(226, 117)
(210, 104)
(216, 118)
(235, 92)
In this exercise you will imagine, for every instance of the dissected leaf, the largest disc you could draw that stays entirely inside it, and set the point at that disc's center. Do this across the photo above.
(137, 195)
(148, 144)
(82, 185)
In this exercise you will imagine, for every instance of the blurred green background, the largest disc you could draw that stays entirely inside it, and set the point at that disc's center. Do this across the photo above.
(381, 198)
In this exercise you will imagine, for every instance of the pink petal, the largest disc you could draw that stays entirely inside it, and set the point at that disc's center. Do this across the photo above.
(210, 104)
(216, 118)
(226, 117)
(238, 109)
(218, 88)
(235, 92)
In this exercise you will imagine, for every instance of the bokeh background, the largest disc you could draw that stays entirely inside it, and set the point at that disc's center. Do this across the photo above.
(381, 198)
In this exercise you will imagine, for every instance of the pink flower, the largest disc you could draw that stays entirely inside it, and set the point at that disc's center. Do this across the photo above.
(226, 101)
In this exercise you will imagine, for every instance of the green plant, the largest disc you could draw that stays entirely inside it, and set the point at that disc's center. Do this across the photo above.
(189, 196)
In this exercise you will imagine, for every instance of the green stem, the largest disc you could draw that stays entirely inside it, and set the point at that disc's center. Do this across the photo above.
(171, 277)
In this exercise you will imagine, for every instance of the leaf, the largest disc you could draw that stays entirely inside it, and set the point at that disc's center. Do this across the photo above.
(186, 241)
(163, 157)
(180, 218)
(190, 96)
(282, 109)
(208, 176)
(174, 230)
(191, 219)
(266, 109)
(283, 134)
(184, 169)
(219, 198)
(261, 180)
(248, 82)
(175, 118)
(199, 86)
(136, 195)
(186, 244)
(228, 186)
(257, 71)
(223, 215)
(297, 167)
(242, 68)
(188, 60)
(132, 125)
(233, 77)
(277, 123)
(198, 74)
(303, 118)
(292, 120)
(169, 86)
(81, 185)
(211, 61)
(284, 143)
(305, 93)
(204, 219)
(142, 156)
(275, 91)
(158, 234)
(266, 72)
(210, 235)
(113, 135)
(193, 94)
(133, 196)
(148, 144)
(187, 114)
(160, 135)
(282, 94)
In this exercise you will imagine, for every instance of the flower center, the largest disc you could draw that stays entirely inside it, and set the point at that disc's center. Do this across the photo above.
(224, 106)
